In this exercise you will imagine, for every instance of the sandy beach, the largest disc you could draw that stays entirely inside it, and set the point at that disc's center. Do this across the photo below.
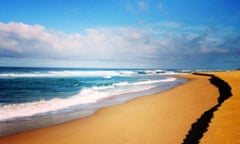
(163, 118)
(224, 127)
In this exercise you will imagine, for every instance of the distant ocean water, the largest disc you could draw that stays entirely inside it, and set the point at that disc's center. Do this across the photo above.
(26, 93)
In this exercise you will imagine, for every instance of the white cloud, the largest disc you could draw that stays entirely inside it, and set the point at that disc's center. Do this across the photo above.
(22, 30)
(36, 41)
(213, 50)
(123, 44)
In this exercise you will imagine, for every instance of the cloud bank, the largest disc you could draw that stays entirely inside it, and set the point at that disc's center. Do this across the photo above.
(158, 45)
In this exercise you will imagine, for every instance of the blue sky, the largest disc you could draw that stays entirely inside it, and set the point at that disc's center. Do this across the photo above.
(190, 34)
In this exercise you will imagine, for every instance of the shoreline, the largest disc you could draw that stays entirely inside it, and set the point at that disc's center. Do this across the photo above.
(164, 117)
(24, 124)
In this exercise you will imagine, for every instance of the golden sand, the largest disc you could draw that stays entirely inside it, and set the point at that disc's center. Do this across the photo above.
(160, 118)
(225, 125)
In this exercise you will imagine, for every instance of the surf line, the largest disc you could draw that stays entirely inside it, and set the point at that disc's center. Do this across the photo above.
(199, 127)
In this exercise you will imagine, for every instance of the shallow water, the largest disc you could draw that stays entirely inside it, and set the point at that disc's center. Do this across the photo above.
(37, 97)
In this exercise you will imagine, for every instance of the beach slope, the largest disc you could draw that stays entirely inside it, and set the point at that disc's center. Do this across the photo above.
(160, 118)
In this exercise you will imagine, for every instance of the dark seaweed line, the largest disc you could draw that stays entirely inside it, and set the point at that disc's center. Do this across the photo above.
(201, 125)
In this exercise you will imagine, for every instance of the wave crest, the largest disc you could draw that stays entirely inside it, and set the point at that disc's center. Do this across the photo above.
(86, 96)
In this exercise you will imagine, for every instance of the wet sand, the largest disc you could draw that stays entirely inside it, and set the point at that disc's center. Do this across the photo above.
(160, 118)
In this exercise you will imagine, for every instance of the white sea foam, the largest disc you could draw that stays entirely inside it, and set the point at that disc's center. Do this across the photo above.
(105, 74)
(86, 96)
(12, 111)
(83, 73)
(121, 84)
(154, 81)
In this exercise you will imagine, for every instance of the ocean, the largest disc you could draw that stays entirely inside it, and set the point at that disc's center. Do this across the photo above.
(37, 97)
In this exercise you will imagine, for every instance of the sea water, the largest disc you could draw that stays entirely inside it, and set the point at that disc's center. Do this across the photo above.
(37, 97)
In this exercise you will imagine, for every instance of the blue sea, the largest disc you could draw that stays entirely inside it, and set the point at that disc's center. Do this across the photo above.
(28, 94)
